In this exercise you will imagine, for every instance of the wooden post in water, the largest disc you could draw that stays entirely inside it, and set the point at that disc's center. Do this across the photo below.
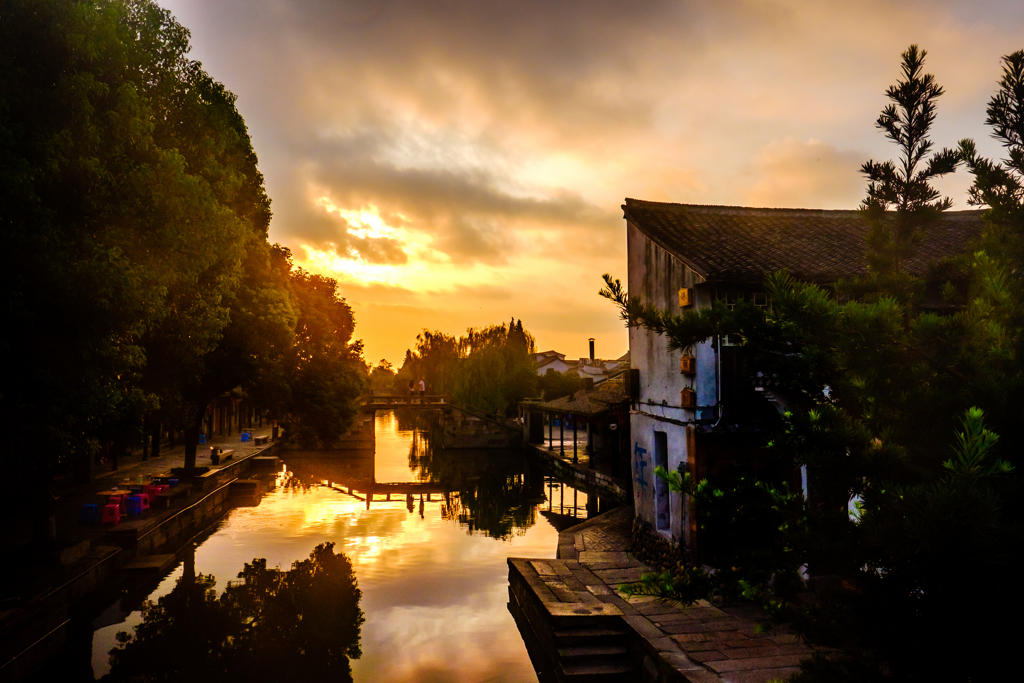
(575, 453)
(561, 434)
(551, 439)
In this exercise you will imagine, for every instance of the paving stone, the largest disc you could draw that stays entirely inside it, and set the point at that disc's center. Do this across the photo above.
(563, 592)
(700, 647)
(743, 641)
(587, 598)
(613, 599)
(542, 568)
(769, 651)
(572, 564)
(587, 577)
(600, 589)
(591, 556)
(620, 575)
(681, 626)
(760, 675)
(680, 661)
(579, 542)
(567, 552)
(706, 656)
(690, 629)
(657, 608)
(784, 638)
(570, 609)
(678, 615)
(701, 675)
(756, 663)
(665, 644)
(707, 613)
(572, 583)
(643, 626)
(723, 624)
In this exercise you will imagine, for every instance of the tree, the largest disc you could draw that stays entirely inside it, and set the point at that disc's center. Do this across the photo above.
(880, 387)
(900, 198)
(312, 385)
(488, 368)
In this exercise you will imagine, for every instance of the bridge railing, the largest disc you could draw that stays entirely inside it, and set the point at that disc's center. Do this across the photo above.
(389, 400)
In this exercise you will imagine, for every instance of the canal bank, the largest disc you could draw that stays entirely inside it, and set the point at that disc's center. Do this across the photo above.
(42, 591)
(580, 627)
(430, 561)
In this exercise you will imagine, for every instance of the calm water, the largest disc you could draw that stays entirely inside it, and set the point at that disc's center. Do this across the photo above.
(432, 572)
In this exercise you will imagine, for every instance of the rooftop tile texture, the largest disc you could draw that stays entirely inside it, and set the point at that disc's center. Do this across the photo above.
(738, 244)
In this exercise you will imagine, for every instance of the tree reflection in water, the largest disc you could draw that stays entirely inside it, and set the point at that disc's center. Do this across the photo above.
(490, 491)
(299, 624)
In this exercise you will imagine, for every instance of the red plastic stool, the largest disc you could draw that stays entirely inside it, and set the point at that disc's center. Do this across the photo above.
(143, 500)
(112, 514)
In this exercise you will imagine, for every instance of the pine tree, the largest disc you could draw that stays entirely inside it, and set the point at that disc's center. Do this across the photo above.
(900, 199)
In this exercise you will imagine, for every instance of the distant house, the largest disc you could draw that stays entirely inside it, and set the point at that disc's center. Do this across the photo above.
(594, 368)
(696, 408)
(550, 360)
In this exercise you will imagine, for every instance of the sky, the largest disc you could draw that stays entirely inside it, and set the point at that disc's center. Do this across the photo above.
(459, 163)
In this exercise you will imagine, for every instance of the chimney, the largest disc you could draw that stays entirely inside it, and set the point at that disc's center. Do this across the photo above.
(591, 348)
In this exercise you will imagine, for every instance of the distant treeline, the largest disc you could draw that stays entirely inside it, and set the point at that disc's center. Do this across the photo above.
(490, 368)
(138, 283)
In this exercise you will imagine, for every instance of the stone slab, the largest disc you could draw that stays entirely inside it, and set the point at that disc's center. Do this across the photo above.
(776, 662)
(591, 556)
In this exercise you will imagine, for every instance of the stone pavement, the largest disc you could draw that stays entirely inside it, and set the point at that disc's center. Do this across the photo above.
(16, 532)
(700, 643)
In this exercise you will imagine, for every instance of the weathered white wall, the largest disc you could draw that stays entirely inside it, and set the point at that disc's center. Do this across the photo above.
(657, 276)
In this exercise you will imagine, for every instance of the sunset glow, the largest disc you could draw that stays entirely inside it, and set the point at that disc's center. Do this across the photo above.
(457, 170)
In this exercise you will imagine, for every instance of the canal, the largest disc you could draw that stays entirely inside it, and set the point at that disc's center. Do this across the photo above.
(430, 562)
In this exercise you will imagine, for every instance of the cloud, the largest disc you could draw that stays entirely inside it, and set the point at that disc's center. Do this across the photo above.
(422, 149)
(811, 174)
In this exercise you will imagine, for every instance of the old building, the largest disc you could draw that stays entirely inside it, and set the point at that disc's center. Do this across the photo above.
(693, 407)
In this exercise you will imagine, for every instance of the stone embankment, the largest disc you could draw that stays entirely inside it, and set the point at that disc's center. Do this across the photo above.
(42, 591)
(571, 613)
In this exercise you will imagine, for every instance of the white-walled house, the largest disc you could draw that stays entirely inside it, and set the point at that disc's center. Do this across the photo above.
(695, 408)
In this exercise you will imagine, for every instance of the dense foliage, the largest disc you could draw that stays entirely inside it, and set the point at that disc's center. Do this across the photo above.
(894, 410)
(138, 283)
(489, 368)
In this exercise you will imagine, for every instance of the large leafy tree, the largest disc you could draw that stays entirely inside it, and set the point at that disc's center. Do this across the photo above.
(312, 385)
(107, 213)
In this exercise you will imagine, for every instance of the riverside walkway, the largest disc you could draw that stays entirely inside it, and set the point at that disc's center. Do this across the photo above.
(39, 587)
(572, 612)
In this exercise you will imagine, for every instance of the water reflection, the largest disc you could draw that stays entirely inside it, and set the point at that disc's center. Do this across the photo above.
(272, 624)
(431, 560)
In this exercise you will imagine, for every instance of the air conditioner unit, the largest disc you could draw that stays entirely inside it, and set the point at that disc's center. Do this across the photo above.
(685, 297)
(688, 398)
(688, 365)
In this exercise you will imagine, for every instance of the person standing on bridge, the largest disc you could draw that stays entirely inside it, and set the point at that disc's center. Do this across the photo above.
(412, 388)
(423, 386)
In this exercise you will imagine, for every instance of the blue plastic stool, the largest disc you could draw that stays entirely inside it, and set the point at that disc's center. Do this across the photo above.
(202, 438)
(90, 513)
(172, 482)
(133, 506)
(245, 436)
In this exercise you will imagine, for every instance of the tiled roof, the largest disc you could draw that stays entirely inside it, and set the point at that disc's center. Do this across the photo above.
(596, 400)
(730, 243)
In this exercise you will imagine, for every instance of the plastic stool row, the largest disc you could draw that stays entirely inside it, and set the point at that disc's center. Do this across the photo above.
(131, 506)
